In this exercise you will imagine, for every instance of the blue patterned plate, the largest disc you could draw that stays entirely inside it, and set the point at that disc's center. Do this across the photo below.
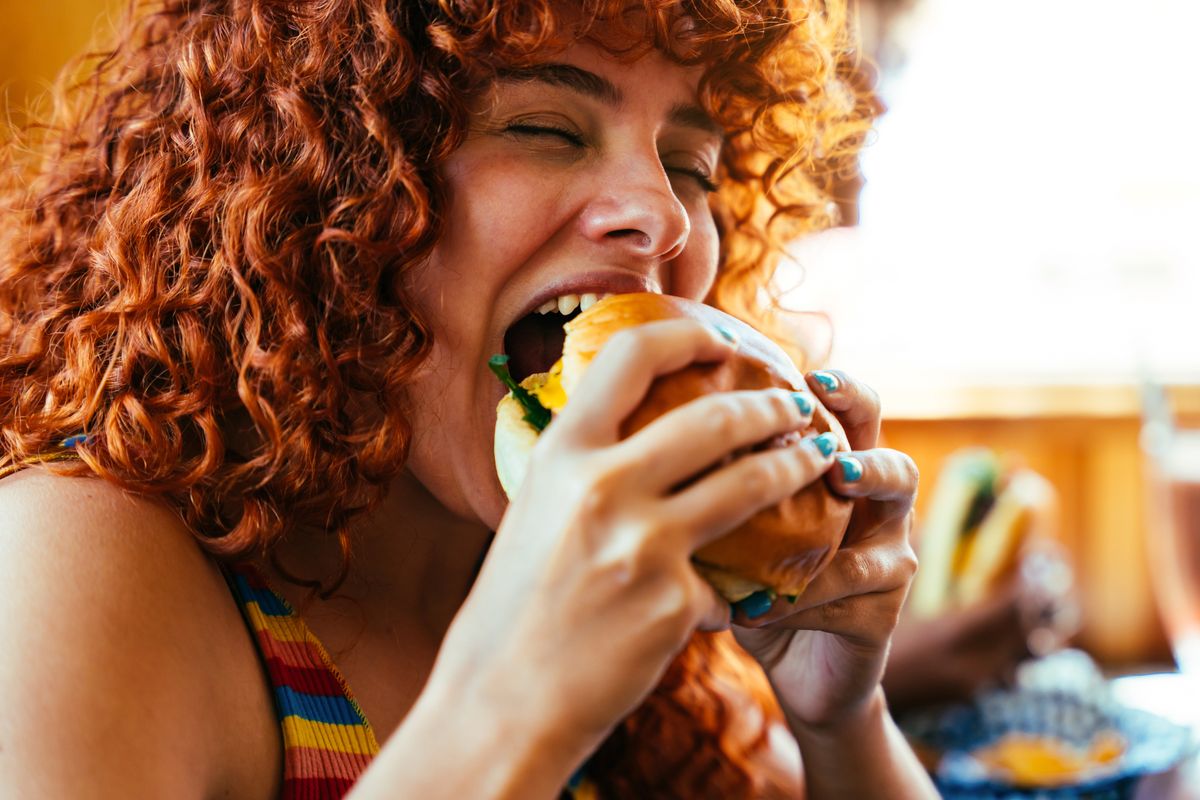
(1152, 744)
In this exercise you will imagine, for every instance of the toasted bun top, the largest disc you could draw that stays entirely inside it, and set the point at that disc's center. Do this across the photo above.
(588, 332)
(780, 548)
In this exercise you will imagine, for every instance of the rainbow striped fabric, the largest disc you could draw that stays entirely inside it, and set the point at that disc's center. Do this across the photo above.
(327, 741)
(326, 738)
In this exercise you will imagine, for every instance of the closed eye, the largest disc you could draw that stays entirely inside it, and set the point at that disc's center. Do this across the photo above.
(565, 135)
(701, 177)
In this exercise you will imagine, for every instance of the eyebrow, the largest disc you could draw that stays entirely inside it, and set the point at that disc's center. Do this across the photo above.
(599, 88)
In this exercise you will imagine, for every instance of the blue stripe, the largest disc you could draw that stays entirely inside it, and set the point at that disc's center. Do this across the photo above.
(315, 707)
(268, 602)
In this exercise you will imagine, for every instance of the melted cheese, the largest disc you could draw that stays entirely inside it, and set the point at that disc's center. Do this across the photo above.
(548, 389)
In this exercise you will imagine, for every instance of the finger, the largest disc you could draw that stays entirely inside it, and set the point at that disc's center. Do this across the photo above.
(883, 475)
(621, 373)
(854, 404)
(863, 619)
(683, 442)
(886, 564)
(717, 615)
(722, 500)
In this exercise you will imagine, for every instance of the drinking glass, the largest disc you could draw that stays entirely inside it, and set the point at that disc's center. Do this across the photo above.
(1171, 446)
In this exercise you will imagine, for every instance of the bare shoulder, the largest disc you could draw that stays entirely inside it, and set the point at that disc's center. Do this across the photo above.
(120, 644)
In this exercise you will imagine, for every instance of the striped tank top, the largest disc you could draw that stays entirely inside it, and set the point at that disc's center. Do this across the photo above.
(327, 740)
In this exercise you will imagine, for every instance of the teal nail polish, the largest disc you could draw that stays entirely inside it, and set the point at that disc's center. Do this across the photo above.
(851, 469)
(726, 334)
(828, 380)
(826, 443)
(756, 604)
(805, 405)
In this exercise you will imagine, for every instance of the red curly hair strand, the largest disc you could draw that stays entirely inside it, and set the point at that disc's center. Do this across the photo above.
(211, 236)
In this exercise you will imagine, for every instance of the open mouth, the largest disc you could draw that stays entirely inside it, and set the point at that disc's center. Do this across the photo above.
(535, 342)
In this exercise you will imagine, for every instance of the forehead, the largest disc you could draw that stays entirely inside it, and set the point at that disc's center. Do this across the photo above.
(650, 80)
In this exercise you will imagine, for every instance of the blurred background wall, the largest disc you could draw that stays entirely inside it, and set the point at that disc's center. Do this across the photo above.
(36, 39)
(1023, 260)
(1023, 255)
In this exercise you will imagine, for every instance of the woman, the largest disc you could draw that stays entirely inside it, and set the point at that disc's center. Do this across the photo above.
(259, 274)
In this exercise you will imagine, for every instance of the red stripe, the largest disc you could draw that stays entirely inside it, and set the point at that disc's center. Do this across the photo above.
(309, 680)
(315, 789)
(294, 654)
(253, 577)
(307, 763)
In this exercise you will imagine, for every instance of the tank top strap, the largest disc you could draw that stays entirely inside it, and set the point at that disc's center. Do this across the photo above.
(63, 451)
(327, 740)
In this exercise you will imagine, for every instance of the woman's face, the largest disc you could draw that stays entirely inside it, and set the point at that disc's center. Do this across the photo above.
(583, 176)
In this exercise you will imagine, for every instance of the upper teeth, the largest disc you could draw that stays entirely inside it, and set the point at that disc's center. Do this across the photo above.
(569, 302)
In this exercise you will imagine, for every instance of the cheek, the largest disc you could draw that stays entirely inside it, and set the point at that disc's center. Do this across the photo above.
(695, 277)
(497, 213)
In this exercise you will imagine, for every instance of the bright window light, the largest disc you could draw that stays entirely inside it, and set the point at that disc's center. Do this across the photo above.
(1032, 213)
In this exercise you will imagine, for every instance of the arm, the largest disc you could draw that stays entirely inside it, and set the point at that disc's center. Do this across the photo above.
(863, 755)
(450, 746)
(120, 668)
(126, 670)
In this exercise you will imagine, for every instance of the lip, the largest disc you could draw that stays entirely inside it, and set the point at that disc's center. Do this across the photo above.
(595, 282)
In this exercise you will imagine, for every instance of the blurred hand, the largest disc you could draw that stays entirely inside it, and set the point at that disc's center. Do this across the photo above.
(825, 655)
(953, 655)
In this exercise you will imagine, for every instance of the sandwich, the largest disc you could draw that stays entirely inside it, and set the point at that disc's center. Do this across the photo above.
(982, 515)
(776, 552)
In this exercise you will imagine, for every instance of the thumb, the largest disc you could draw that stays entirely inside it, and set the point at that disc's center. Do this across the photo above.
(717, 614)
(766, 645)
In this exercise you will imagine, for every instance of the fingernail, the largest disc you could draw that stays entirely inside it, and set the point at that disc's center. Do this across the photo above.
(826, 443)
(805, 404)
(851, 468)
(726, 334)
(755, 605)
(828, 380)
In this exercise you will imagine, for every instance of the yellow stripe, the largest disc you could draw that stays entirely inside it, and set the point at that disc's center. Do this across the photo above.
(39, 458)
(299, 732)
(284, 629)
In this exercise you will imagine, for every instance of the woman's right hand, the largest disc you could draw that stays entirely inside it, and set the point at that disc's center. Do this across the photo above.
(588, 591)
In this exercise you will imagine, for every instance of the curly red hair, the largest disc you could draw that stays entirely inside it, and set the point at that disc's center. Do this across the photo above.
(210, 237)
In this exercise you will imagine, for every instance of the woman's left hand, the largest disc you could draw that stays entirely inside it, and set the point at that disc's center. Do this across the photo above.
(825, 654)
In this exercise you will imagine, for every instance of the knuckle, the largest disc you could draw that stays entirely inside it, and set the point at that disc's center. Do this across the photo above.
(857, 567)
(723, 418)
(678, 605)
(835, 611)
(870, 398)
(909, 474)
(624, 343)
(908, 562)
(762, 476)
(781, 407)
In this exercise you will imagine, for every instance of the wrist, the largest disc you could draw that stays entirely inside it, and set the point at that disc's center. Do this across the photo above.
(859, 752)
(517, 747)
(869, 715)
(456, 743)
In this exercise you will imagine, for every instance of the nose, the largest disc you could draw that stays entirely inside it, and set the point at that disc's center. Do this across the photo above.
(637, 212)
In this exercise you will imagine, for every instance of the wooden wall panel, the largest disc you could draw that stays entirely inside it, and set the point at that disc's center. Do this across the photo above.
(1095, 464)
